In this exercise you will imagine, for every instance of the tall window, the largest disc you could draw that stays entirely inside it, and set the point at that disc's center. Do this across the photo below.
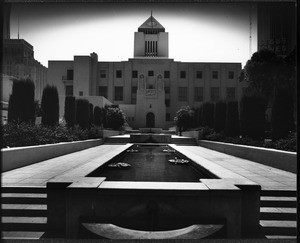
(168, 117)
(167, 102)
(134, 74)
(182, 94)
(133, 94)
(103, 91)
(230, 93)
(69, 90)
(214, 94)
(70, 74)
(215, 74)
(118, 93)
(230, 75)
(198, 74)
(166, 74)
(198, 94)
(119, 73)
(182, 74)
(102, 73)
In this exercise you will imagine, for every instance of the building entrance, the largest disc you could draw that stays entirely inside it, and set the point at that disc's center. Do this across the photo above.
(150, 120)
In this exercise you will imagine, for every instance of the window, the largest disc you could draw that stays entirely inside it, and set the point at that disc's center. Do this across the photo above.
(70, 74)
(103, 91)
(134, 74)
(198, 74)
(168, 117)
(167, 102)
(230, 93)
(133, 94)
(80, 93)
(230, 75)
(167, 90)
(102, 73)
(182, 93)
(150, 73)
(182, 74)
(198, 94)
(69, 90)
(119, 74)
(215, 74)
(118, 93)
(214, 94)
(166, 74)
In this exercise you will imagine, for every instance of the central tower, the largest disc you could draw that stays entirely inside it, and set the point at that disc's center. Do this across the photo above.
(151, 40)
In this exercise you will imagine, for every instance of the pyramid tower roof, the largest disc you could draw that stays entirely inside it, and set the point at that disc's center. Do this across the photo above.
(151, 23)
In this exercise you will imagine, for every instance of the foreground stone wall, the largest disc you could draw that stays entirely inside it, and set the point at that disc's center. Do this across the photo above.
(13, 158)
(271, 157)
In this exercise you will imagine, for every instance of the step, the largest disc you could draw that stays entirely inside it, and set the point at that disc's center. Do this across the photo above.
(29, 210)
(279, 193)
(23, 223)
(286, 202)
(24, 198)
(281, 237)
(27, 189)
(21, 235)
(273, 213)
(278, 227)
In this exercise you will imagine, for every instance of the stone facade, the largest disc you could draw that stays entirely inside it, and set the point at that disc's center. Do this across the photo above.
(150, 87)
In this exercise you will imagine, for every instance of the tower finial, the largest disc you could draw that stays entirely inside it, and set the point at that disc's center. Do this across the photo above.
(18, 26)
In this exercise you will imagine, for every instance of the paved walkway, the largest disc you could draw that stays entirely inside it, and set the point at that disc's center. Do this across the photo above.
(268, 177)
(38, 174)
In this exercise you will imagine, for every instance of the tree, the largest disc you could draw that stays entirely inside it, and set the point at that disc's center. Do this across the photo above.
(208, 114)
(220, 116)
(82, 113)
(266, 71)
(21, 106)
(115, 118)
(282, 114)
(70, 110)
(183, 118)
(252, 115)
(50, 106)
(232, 119)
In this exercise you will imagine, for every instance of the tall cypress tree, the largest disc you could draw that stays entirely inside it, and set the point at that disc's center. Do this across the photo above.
(70, 110)
(232, 119)
(220, 116)
(21, 101)
(82, 113)
(50, 106)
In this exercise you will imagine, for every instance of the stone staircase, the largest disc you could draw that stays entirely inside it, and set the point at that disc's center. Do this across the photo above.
(24, 213)
(117, 140)
(278, 214)
(184, 141)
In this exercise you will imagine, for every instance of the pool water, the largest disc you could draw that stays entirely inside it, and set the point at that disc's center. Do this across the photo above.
(150, 163)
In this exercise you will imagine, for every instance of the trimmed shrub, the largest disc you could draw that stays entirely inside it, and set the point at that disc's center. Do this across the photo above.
(97, 116)
(70, 110)
(50, 106)
(282, 119)
(82, 113)
(232, 119)
(21, 105)
(115, 118)
(252, 115)
(220, 116)
(208, 114)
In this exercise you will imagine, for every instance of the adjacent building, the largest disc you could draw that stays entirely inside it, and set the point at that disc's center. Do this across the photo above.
(150, 87)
